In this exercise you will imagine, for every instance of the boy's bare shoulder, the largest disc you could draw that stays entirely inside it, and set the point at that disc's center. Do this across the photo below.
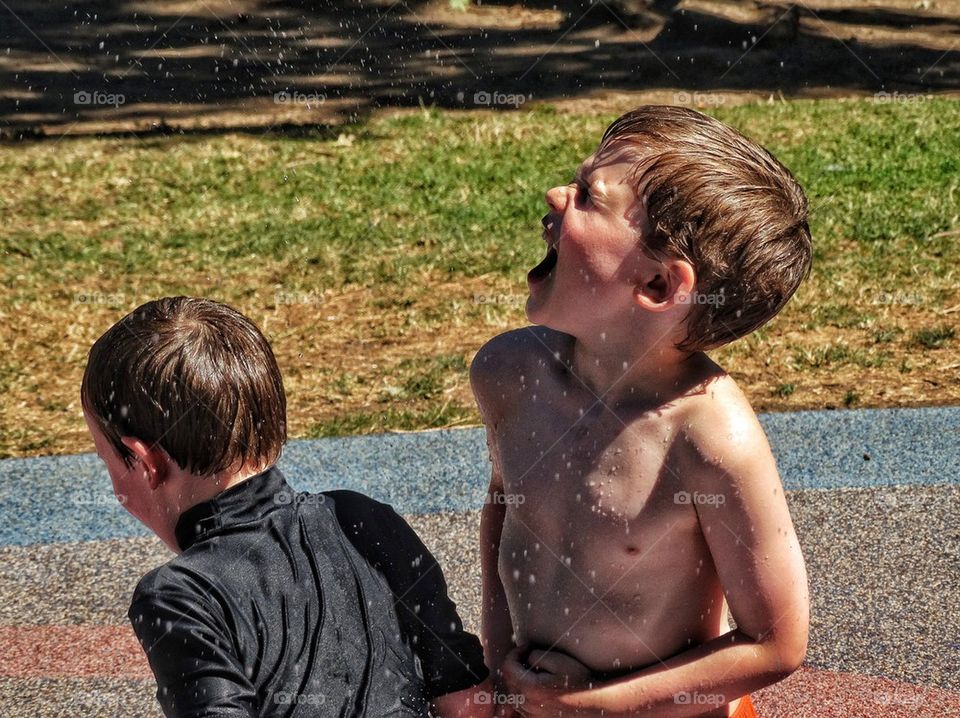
(500, 362)
(721, 427)
(501, 358)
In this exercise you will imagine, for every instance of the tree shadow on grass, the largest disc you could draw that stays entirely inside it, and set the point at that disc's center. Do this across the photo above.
(148, 66)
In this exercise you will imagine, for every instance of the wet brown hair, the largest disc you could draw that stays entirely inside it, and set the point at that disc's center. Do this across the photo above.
(725, 204)
(193, 376)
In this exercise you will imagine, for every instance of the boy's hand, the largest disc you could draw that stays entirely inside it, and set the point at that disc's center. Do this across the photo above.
(545, 683)
(472, 702)
(559, 664)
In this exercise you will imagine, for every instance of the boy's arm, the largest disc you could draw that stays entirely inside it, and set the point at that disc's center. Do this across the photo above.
(451, 658)
(760, 566)
(496, 631)
(191, 656)
(473, 702)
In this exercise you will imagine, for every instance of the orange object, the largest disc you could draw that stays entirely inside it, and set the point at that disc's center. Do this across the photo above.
(745, 709)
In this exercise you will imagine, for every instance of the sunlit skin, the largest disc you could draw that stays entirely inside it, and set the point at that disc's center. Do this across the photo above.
(596, 423)
(153, 487)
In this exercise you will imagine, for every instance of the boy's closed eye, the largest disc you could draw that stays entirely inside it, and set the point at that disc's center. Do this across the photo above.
(583, 191)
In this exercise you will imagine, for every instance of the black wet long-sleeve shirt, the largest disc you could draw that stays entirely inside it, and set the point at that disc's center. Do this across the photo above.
(294, 604)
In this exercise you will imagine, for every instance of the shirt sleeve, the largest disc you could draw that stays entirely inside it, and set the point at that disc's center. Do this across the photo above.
(191, 656)
(451, 658)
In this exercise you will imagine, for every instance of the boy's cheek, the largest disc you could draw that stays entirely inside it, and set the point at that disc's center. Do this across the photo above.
(121, 495)
(123, 491)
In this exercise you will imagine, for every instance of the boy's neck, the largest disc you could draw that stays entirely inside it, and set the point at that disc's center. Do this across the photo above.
(183, 491)
(630, 369)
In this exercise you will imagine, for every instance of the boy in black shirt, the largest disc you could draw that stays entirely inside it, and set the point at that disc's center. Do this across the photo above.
(278, 603)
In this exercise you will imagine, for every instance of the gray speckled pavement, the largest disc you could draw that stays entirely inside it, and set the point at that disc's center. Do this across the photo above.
(880, 536)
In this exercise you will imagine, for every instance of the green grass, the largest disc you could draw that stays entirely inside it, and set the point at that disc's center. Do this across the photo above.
(392, 420)
(456, 198)
(427, 378)
(786, 389)
(934, 338)
(885, 336)
(839, 354)
(453, 192)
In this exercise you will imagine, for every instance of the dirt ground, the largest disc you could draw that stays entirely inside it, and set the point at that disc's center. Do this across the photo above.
(202, 65)
(346, 355)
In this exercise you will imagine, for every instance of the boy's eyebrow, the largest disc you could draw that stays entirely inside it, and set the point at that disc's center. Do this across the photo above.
(597, 187)
(578, 175)
(586, 170)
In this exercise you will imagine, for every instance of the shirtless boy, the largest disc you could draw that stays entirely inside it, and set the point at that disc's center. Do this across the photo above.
(634, 502)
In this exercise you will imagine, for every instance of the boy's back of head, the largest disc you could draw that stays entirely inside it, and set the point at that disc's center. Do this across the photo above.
(258, 563)
(723, 203)
(193, 376)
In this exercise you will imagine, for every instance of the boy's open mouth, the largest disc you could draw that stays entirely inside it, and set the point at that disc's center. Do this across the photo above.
(543, 270)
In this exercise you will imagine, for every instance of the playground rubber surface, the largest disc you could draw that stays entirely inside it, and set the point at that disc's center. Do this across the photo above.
(874, 495)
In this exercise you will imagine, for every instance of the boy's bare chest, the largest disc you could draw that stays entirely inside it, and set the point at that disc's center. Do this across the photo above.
(570, 460)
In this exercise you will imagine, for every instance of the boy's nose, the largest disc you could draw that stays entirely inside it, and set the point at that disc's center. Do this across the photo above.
(557, 199)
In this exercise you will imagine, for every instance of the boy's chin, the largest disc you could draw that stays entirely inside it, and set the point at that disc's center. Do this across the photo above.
(536, 312)
(541, 315)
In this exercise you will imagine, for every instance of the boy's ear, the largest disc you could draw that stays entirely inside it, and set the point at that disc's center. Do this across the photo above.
(154, 459)
(671, 282)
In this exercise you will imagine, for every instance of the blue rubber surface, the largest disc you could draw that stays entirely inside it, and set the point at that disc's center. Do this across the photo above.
(69, 498)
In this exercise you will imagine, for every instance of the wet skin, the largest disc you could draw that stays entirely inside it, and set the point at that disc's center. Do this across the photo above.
(633, 493)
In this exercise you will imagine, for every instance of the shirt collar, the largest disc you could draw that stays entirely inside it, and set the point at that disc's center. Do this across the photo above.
(247, 502)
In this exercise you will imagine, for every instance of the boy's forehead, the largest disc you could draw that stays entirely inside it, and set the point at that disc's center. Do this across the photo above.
(612, 163)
